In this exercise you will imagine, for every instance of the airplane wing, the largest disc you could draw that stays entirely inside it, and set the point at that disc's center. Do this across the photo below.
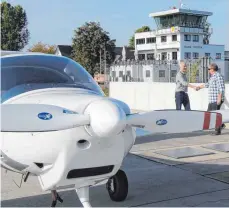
(39, 118)
(173, 121)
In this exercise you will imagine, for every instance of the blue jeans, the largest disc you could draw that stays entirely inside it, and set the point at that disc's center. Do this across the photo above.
(182, 98)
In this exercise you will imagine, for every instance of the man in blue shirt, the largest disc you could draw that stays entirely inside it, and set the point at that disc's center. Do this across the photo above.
(216, 91)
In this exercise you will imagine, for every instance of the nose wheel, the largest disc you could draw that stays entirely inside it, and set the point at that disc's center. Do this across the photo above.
(117, 186)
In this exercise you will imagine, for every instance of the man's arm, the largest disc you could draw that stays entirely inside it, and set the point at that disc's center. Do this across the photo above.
(206, 85)
(183, 82)
(192, 86)
(221, 87)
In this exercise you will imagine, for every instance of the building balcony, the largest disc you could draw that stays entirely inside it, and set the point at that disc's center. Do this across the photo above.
(158, 46)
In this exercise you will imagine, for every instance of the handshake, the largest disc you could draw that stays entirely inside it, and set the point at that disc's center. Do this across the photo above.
(196, 88)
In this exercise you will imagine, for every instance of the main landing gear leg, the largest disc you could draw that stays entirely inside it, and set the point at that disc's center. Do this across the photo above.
(83, 194)
(55, 197)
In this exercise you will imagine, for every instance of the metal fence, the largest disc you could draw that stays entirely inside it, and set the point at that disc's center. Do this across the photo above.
(158, 71)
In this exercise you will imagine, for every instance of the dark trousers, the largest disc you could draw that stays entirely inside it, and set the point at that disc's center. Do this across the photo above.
(213, 107)
(182, 98)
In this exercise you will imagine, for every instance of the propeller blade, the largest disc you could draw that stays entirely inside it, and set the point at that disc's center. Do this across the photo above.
(225, 115)
(173, 121)
(39, 118)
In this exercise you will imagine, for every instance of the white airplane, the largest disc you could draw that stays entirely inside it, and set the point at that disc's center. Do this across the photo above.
(58, 125)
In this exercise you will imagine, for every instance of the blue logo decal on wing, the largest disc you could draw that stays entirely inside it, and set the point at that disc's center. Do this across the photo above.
(45, 116)
(161, 122)
(69, 112)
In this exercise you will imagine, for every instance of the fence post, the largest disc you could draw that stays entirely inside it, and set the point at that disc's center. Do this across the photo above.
(203, 71)
(170, 66)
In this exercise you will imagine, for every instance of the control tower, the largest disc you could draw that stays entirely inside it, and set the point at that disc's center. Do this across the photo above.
(180, 34)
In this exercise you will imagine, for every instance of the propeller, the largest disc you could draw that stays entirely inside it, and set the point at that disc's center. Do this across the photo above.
(39, 118)
(173, 121)
(104, 118)
(225, 114)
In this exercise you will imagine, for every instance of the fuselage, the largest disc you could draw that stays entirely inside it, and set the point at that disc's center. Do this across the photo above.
(55, 156)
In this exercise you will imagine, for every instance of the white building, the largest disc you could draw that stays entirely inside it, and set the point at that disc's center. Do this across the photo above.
(179, 35)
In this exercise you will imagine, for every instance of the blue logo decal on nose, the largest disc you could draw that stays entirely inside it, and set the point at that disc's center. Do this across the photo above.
(68, 111)
(161, 122)
(45, 116)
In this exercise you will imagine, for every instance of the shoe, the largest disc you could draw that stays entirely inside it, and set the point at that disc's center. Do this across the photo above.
(215, 133)
(53, 204)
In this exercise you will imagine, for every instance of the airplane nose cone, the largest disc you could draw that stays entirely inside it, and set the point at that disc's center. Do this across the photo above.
(106, 118)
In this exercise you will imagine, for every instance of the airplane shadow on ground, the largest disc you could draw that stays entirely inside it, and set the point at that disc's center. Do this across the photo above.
(150, 184)
(159, 137)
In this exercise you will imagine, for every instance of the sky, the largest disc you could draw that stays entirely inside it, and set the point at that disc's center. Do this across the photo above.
(54, 21)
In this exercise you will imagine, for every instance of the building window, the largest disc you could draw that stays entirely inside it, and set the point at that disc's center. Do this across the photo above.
(163, 39)
(207, 54)
(120, 73)
(128, 73)
(174, 55)
(187, 37)
(140, 41)
(150, 56)
(187, 55)
(164, 56)
(168, 56)
(141, 57)
(147, 73)
(173, 73)
(113, 74)
(218, 56)
(195, 55)
(161, 73)
(195, 38)
(151, 40)
(174, 37)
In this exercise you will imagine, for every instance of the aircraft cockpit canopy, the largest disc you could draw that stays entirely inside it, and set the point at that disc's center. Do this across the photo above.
(43, 71)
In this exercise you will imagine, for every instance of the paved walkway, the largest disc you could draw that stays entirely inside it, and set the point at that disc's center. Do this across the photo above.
(155, 178)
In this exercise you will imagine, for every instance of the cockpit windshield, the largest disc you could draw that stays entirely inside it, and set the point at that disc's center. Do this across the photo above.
(44, 69)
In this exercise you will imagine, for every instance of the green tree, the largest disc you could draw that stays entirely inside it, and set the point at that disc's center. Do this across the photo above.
(88, 40)
(43, 48)
(139, 30)
(194, 71)
(14, 31)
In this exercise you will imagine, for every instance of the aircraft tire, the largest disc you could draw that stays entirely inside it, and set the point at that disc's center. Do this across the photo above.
(119, 191)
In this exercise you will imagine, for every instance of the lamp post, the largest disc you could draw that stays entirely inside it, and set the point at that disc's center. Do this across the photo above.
(100, 66)
(105, 58)
(105, 65)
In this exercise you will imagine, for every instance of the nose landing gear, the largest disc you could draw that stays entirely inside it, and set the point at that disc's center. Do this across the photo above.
(117, 187)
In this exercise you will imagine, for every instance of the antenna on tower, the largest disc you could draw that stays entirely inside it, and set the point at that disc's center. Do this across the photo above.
(180, 4)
